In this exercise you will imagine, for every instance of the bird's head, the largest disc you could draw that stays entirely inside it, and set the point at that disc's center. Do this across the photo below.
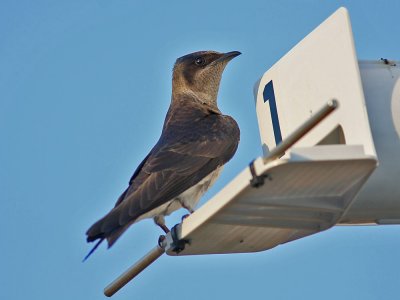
(200, 73)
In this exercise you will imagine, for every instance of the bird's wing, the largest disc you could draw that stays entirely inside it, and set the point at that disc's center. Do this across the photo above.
(135, 174)
(193, 144)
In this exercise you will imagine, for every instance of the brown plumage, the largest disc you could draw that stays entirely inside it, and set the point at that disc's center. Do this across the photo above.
(196, 141)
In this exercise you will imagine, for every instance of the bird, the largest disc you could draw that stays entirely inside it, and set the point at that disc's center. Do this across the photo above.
(195, 142)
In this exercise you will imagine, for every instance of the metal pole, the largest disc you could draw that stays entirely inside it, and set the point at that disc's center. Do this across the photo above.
(288, 142)
(133, 271)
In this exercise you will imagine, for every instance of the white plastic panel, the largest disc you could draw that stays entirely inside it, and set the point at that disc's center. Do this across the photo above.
(321, 67)
(299, 198)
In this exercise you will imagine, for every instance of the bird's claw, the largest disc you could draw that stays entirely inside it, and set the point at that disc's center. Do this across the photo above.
(184, 217)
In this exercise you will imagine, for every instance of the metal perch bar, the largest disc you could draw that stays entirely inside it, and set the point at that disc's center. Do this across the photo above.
(288, 142)
(133, 271)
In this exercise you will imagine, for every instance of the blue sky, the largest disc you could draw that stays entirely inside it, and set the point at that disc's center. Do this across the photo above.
(84, 88)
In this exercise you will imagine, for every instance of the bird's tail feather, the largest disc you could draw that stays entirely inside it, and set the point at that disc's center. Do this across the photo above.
(114, 236)
(93, 249)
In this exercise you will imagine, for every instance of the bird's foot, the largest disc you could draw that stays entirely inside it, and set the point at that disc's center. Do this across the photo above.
(185, 216)
(159, 220)
(190, 210)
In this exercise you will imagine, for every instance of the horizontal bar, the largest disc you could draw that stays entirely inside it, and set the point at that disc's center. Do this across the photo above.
(133, 271)
(288, 142)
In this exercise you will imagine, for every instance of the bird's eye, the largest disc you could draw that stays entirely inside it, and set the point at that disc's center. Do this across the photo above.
(199, 61)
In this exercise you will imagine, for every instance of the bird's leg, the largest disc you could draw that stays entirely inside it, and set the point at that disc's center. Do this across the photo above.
(160, 221)
(185, 216)
(189, 209)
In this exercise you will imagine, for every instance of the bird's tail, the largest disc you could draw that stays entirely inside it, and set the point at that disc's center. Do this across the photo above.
(107, 227)
(93, 249)
(114, 236)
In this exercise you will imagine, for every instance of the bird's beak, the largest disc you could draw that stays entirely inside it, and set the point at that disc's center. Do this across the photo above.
(232, 54)
(228, 56)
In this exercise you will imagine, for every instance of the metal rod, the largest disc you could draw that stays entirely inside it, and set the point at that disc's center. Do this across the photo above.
(288, 142)
(133, 271)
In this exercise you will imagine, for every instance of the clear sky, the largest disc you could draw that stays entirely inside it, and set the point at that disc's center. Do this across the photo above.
(84, 88)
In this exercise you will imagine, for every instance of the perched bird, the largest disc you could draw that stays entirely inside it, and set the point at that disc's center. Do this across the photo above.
(196, 141)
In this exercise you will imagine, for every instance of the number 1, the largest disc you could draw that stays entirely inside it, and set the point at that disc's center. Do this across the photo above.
(269, 94)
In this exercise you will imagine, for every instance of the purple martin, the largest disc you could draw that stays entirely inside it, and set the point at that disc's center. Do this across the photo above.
(196, 141)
